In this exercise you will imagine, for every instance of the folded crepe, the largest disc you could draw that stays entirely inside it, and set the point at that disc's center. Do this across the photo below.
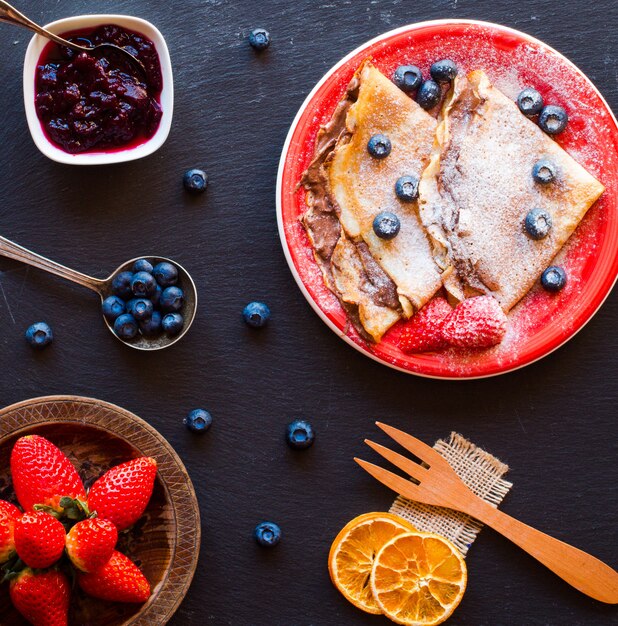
(377, 281)
(478, 188)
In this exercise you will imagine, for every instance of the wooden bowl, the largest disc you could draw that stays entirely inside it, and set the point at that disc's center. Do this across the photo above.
(165, 543)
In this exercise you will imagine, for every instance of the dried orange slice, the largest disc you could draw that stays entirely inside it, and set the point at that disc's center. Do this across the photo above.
(353, 551)
(418, 579)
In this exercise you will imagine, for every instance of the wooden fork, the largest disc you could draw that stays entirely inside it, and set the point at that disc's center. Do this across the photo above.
(439, 485)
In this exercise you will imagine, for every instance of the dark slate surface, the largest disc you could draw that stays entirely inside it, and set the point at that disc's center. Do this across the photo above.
(553, 422)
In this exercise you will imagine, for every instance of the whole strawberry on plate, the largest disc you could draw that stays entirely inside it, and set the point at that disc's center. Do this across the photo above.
(42, 474)
(122, 493)
(42, 597)
(477, 322)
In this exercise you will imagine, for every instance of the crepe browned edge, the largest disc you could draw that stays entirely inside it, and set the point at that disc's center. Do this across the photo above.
(321, 221)
(463, 276)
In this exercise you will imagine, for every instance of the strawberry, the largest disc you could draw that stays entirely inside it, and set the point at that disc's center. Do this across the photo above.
(9, 514)
(122, 493)
(39, 539)
(90, 543)
(477, 322)
(119, 580)
(42, 474)
(423, 333)
(42, 597)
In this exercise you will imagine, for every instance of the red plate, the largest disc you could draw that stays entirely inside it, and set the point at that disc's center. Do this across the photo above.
(541, 322)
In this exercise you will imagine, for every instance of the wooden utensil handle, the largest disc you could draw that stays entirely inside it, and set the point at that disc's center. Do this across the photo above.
(19, 253)
(581, 570)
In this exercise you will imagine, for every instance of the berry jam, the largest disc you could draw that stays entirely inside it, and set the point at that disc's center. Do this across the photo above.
(99, 101)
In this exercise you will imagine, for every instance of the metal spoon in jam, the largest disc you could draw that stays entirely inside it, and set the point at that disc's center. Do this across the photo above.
(103, 287)
(11, 15)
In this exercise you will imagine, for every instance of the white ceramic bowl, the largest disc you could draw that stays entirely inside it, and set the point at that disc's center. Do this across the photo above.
(33, 53)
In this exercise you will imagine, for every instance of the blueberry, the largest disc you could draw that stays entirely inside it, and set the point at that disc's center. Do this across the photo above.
(39, 335)
(140, 308)
(538, 223)
(195, 181)
(267, 534)
(143, 284)
(407, 78)
(151, 326)
(256, 314)
(406, 188)
(428, 95)
(171, 299)
(530, 101)
(379, 146)
(142, 265)
(299, 435)
(156, 296)
(113, 306)
(553, 279)
(443, 71)
(259, 38)
(121, 285)
(165, 273)
(386, 225)
(125, 326)
(172, 323)
(544, 171)
(198, 421)
(553, 119)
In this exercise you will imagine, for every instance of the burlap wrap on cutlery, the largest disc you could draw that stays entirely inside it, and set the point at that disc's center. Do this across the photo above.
(481, 471)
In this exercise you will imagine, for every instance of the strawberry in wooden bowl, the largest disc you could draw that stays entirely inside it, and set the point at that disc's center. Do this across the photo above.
(92, 494)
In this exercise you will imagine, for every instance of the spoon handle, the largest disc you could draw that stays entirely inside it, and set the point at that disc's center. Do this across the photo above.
(19, 253)
(11, 15)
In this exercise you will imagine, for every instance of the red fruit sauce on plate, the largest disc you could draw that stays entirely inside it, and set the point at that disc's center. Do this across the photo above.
(99, 101)
(542, 321)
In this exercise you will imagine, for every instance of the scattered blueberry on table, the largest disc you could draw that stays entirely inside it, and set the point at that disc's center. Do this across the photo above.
(553, 279)
(538, 223)
(386, 225)
(256, 314)
(443, 71)
(530, 101)
(195, 181)
(553, 119)
(267, 534)
(259, 39)
(39, 335)
(544, 171)
(428, 94)
(299, 435)
(198, 421)
(379, 146)
(406, 188)
(408, 78)
(146, 301)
